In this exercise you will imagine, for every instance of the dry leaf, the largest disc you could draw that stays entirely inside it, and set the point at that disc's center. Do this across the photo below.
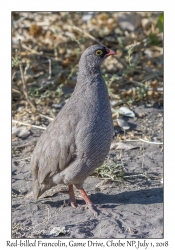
(121, 145)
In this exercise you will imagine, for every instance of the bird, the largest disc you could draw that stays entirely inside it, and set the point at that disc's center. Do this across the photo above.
(78, 140)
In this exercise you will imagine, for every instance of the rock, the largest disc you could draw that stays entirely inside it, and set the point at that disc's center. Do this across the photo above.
(113, 102)
(15, 130)
(29, 79)
(129, 21)
(141, 115)
(20, 108)
(146, 23)
(87, 17)
(117, 129)
(122, 123)
(149, 105)
(58, 230)
(126, 112)
(57, 105)
(22, 132)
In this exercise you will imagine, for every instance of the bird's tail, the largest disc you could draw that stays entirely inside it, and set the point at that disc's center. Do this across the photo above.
(36, 190)
(39, 189)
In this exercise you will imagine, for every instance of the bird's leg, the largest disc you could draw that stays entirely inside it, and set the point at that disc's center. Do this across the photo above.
(89, 203)
(72, 200)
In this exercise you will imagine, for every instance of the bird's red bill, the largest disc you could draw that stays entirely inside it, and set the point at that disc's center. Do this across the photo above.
(110, 52)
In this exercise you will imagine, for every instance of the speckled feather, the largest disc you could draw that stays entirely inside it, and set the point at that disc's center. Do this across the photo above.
(79, 138)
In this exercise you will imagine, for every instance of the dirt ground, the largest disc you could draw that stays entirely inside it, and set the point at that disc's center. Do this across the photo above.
(131, 208)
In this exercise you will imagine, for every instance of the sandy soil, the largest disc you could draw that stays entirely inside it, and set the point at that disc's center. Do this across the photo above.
(132, 208)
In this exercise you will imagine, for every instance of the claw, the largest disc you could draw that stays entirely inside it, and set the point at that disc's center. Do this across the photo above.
(93, 209)
(71, 203)
(96, 211)
(89, 203)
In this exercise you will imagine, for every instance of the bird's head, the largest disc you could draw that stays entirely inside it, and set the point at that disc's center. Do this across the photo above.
(93, 57)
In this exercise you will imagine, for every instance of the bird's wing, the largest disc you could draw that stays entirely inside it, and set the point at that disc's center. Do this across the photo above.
(56, 147)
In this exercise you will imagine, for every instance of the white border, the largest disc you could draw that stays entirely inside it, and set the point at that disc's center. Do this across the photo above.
(5, 96)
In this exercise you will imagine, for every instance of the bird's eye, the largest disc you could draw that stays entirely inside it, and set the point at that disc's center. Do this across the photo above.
(99, 52)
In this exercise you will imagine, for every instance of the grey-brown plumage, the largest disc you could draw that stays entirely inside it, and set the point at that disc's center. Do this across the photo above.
(79, 138)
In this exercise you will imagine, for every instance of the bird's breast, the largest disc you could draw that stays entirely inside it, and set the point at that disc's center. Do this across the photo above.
(95, 127)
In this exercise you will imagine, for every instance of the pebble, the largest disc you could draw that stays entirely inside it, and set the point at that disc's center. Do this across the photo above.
(20, 108)
(22, 132)
(159, 115)
(129, 21)
(58, 230)
(57, 106)
(113, 102)
(126, 112)
(88, 16)
(29, 79)
(15, 130)
(122, 123)
(117, 129)
(141, 115)
(149, 105)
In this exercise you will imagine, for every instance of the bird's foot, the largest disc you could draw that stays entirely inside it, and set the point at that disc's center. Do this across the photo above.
(92, 208)
(95, 210)
(71, 203)
(89, 204)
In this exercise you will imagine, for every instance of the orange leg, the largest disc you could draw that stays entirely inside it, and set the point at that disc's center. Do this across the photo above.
(89, 203)
(72, 200)
(84, 196)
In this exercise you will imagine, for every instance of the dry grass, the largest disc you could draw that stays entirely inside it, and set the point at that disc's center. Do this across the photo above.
(45, 61)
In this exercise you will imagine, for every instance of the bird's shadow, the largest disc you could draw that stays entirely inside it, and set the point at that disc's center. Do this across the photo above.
(146, 196)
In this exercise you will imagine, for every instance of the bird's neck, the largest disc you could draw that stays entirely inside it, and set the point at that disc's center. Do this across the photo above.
(91, 85)
(88, 74)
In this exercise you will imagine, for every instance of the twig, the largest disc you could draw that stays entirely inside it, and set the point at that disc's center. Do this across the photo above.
(32, 50)
(47, 117)
(15, 90)
(26, 144)
(50, 69)
(87, 34)
(48, 210)
(24, 82)
(143, 159)
(157, 48)
(152, 76)
(97, 41)
(150, 142)
(105, 178)
(22, 159)
(19, 20)
(134, 175)
(140, 84)
(119, 102)
(25, 88)
(26, 124)
(158, 89)
(137, 84)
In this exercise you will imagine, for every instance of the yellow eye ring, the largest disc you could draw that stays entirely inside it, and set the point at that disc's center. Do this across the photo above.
(99, 52)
